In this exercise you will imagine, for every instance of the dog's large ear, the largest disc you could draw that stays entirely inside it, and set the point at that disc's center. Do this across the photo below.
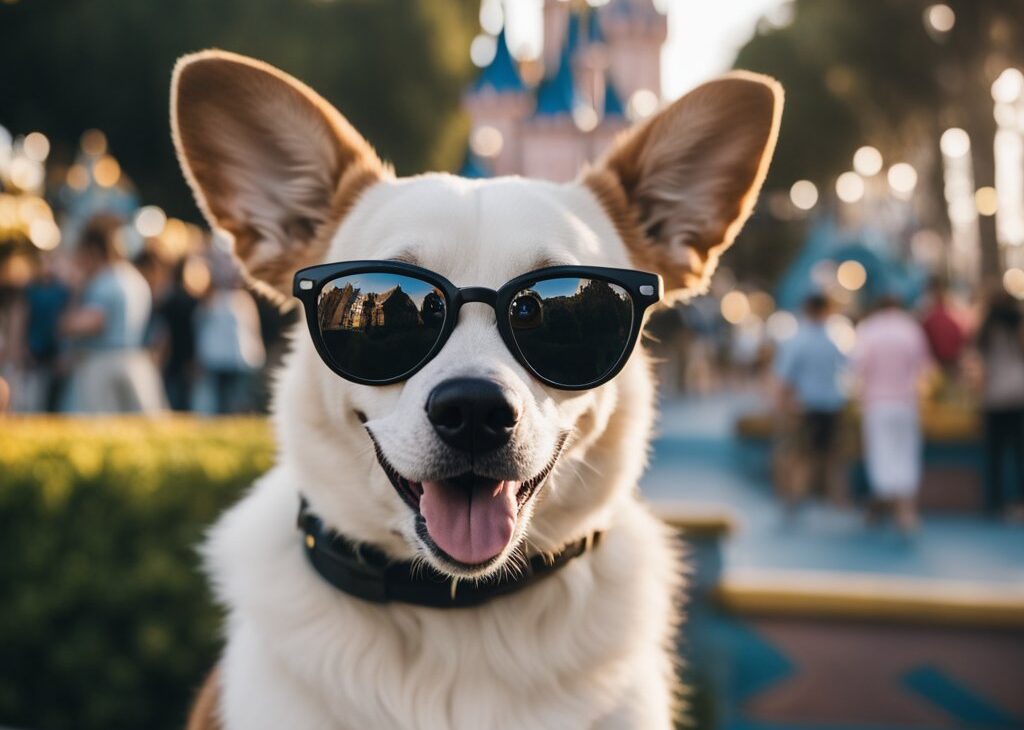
(680, 186)
(270, 162)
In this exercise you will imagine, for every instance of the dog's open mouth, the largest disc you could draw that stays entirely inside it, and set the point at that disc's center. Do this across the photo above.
(466, 520)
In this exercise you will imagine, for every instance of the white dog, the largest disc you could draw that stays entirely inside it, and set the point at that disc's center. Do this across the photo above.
(472, 551)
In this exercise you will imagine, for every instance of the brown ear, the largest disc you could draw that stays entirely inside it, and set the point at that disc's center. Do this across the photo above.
(270, 162)
(680, 186)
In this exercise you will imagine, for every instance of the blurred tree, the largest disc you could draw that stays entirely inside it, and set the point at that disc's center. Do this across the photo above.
(873, 72)
(396, 69)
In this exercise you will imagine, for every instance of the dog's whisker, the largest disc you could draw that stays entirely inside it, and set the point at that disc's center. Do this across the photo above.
(517, 562)
(588, 465)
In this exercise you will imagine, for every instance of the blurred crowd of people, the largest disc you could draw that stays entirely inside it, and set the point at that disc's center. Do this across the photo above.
(896, 357)
(86, 330)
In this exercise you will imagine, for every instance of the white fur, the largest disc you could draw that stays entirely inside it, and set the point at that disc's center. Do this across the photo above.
(590, 646)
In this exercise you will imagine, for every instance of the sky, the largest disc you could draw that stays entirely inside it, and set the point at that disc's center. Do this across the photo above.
(703, 36)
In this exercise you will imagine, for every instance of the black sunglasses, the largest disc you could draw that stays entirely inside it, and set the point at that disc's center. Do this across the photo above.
(378, 322)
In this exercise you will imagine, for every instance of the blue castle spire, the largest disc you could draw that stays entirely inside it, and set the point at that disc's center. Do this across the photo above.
(501, 74)
(594, 32)
(612, 102)
(557, 93)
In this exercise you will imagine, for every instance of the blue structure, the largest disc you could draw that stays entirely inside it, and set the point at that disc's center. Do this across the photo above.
(594, 32)
(501, 75)
(612, 103)
(473, 167)
(887, 275)
(557, 93)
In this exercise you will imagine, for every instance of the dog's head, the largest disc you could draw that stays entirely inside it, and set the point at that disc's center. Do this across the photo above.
(471, 457)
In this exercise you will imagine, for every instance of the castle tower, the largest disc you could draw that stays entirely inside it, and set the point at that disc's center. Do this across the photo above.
(498, 102)
(596, 61)
(635, 31)
(556, 21)
(613, 121)
(590, 59)
(553, 147)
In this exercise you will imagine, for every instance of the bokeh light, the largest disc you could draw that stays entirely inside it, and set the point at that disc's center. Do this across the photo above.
(850, 187)
(44, 234)
(867, 161)
(195, 276)
(26, 174)
(1013, 281)
(940, 18)
(987, 200)
(851, 275)
(486, 141)
(78, 177)
(780, 16)
(902, 179)
(94, 143)
(17, 272)
(150, 221)
(175, 237)
(106, 172)
(735, 307)
(492, 16)
(584, 117)
(782, 325)
(642, 104)
(36, 146)
(1008, 87)
(955, 143)
(804, 194)
(482, 49)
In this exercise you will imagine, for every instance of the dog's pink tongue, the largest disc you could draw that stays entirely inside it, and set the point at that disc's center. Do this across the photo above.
(471, 524)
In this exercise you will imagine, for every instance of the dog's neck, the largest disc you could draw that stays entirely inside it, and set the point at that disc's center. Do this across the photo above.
(367, 573)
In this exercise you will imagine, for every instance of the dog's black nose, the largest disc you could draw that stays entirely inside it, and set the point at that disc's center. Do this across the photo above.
(472, 414)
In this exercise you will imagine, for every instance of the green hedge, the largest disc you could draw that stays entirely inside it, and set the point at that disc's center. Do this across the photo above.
(105, 619)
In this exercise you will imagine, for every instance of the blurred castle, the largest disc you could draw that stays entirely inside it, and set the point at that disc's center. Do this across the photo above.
(601, 70)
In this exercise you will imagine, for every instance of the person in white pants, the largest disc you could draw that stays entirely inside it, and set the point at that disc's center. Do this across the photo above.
(890, 359)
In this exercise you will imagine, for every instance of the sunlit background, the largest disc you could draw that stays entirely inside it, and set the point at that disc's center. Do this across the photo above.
(898, 179)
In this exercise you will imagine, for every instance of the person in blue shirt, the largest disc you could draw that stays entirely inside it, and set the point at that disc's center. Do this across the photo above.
(809, 370)
(113, 372)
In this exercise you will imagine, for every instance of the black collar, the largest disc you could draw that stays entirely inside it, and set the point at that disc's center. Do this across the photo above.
(366, 572)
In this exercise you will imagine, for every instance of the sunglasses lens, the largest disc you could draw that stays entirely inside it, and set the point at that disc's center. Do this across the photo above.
(379, 326)
(572, 331)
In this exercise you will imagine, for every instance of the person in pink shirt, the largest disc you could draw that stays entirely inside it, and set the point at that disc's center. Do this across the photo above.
(889, 360)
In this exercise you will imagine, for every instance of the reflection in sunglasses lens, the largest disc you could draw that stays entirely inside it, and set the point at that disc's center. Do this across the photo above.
(572, 331)
(379, 326)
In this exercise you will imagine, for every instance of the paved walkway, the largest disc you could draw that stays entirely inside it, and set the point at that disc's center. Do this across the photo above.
(696, 459)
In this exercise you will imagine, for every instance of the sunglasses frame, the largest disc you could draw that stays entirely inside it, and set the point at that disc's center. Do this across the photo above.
(645, 289)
